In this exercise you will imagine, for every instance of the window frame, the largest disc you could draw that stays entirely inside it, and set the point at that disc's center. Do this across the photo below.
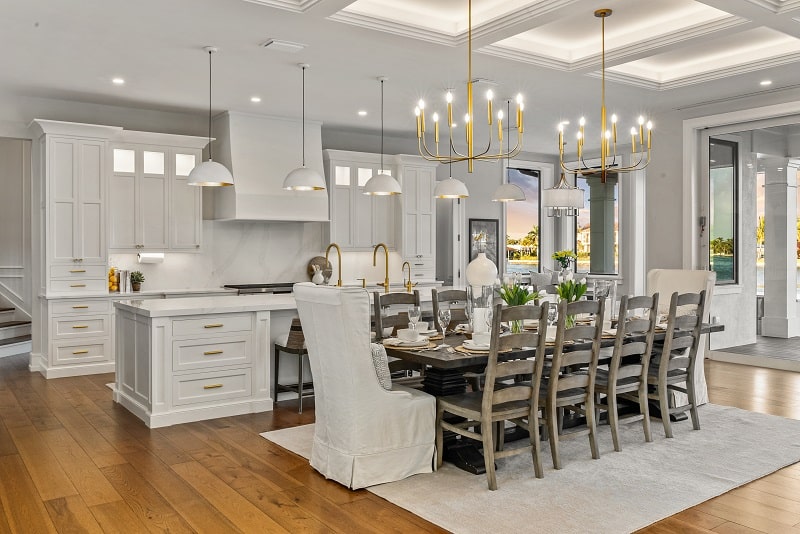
(736, 181)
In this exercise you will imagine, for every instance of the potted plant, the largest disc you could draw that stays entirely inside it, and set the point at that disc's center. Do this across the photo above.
(571, 291)
(515, 294)
(136, 280)
(564, 258)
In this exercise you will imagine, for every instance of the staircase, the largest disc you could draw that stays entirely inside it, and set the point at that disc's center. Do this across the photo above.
(15, 335)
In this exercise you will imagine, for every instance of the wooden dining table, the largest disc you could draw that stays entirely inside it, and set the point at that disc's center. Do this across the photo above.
(445, 370)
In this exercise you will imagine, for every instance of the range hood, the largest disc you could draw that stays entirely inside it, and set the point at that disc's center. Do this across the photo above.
(260, 151)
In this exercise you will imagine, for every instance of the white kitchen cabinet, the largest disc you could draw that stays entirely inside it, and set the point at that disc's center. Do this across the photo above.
(359, 221)
(152, 206)
(418, 215)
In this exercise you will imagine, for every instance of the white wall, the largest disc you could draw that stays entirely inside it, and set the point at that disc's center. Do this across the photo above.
(15, 224)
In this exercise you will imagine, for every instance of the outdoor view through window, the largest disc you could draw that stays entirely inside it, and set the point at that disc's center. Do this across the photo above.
(522, 224)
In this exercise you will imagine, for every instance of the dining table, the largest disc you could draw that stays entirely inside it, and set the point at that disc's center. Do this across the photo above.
(446, 366)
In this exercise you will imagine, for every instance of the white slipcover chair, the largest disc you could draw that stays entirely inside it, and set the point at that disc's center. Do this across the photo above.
(363, 435)
(666, 282)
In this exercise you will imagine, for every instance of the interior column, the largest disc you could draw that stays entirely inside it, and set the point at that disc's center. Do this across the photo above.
(601, 220)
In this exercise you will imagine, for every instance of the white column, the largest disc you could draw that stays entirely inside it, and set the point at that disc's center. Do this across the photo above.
(780, 250)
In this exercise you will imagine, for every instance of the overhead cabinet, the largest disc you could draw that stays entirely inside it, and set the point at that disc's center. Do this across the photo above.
(418, 215)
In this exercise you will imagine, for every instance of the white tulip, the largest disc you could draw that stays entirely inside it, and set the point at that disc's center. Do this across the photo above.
(570, 276)
(583, 280)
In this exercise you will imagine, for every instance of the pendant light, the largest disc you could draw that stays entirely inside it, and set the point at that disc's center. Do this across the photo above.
(506, 192)
(380, 183)
(303, 178)
(210, 173)
(450, 188)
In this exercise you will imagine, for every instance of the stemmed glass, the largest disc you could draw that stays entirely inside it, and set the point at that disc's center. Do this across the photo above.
(444, 318)
(552, 314)
(414, 314)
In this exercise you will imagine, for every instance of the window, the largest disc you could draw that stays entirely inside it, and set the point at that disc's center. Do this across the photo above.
(522, 223)
(597, 225)
(723, 175)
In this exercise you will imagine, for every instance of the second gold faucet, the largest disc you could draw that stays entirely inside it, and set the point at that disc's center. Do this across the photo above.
(385, 283)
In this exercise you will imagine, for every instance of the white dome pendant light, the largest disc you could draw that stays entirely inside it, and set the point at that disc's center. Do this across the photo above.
(303, 178)
(381, 183)
(506, 192)
(450, 188)
(210, 173)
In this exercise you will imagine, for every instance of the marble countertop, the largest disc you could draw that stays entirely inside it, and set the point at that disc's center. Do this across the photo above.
(207, 305)
(150, 293)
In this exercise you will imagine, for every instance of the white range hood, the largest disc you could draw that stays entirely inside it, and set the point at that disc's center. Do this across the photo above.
(260, 151)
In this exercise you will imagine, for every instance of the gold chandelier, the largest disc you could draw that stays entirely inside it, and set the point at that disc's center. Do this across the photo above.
(608, 138)
(469, 120)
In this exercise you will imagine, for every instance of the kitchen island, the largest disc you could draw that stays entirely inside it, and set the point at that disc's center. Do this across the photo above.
(190, 359)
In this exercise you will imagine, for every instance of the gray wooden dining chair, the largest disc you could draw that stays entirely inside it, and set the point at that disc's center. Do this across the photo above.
(672, 366)
(456, 300)
(407, 373)
(626, 375)
(501, 399)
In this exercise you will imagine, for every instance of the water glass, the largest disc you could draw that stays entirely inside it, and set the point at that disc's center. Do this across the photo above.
(414, 314)
(444, 318)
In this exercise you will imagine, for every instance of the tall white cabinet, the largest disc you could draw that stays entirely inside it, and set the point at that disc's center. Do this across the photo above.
(84, 206)
(418, 215)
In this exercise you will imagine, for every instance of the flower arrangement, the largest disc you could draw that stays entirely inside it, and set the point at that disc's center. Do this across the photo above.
(514, 294)
(571, 291)
(565, 257)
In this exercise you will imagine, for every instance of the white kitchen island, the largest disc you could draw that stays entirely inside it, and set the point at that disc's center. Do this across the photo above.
(190, 359)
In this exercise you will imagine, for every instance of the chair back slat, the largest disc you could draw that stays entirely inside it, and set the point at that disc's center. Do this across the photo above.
(637, 316)
(400, 319)
(627, 371)
(517, 341)
(512, 393)
(515, 367)
(682, 337)
(576, 358)
(456, 300)
(681, 362)
(573, 381)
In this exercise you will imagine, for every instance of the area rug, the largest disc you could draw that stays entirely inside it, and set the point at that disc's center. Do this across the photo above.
(621, 492)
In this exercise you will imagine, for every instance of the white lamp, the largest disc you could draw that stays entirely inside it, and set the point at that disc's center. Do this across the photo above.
(303, 178)
(563, 199)
(210, 173)
(380, 183)
(450, 188)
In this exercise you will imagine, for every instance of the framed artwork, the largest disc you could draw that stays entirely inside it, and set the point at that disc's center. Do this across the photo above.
(490, 229)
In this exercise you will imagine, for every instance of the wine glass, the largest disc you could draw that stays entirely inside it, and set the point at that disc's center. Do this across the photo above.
(444, 318)
(489, 316)
(414, 314)
(552, 314)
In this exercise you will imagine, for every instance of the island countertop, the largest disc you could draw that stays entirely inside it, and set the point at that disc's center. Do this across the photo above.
(206, 305)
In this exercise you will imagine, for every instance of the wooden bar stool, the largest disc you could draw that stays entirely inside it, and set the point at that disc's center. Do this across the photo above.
(295, 344)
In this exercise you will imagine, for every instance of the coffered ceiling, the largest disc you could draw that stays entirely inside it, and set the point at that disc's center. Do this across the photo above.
(660, 54)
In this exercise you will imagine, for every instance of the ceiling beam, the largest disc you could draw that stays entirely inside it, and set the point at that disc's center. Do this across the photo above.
(759, 14)
(326, 8)
(524, 19)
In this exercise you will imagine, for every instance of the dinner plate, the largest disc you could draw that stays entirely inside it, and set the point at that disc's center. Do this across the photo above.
(395, 342)
(468, 343)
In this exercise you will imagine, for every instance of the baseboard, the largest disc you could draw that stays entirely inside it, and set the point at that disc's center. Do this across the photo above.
(23, 347)
(755, 361)
(72, 370)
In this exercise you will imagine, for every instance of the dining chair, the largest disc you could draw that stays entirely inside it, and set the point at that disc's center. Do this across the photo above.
(385, 318)
(627, 370)
(569, 382)
(501, 399)
(456, 299)
(672, 367)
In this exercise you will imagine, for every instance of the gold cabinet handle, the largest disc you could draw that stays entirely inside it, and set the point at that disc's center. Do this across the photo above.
(77, 285)
(210, 352)
(77, 270)
(215, 325)
(81, 326)
(212, 386)
(80, 307)
(82, 351)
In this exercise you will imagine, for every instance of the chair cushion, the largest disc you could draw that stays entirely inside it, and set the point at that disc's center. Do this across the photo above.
(381, 363)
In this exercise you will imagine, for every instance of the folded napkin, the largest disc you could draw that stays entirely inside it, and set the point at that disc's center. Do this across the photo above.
(397, 342)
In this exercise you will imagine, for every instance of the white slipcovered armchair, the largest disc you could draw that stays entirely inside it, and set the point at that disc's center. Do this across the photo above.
(364, 435)
(666, 282)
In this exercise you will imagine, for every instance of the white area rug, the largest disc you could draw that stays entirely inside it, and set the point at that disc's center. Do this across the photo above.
(620, 492)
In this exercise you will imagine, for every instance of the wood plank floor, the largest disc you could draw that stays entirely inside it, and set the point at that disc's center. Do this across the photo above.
(73, 461)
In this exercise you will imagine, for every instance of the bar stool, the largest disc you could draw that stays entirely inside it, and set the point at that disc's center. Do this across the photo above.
(295, 344)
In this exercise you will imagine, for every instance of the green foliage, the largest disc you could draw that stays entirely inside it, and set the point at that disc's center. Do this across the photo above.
(570, 290)
(721, 246)
(516, 295)
(564, 257)
(137, 277)
(760, 231)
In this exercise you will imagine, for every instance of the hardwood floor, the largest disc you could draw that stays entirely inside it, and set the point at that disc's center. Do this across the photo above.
(71, 460)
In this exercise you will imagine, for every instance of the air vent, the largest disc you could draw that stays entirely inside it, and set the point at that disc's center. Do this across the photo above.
(282, 46)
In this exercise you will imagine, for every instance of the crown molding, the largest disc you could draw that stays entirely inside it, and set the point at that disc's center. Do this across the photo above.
(776, 6)
(295, 6)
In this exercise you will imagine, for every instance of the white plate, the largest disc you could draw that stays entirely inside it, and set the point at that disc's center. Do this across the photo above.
(468, 343)
(395, 342)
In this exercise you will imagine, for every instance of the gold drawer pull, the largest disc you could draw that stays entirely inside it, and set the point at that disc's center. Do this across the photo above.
(212, 386)
(81, 326)
(215, 325)
(82, 351)
(77, 285)
(210, 352)
(80, 307)
(77, 270)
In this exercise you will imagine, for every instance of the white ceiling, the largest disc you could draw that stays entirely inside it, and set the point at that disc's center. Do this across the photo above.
(660, 55)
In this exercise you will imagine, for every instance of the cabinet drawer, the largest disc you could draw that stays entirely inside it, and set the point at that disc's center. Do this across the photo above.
(204, 353)
(420, 263)
(79, 286)
(80, 307)
(77, 271)
(212, 324)
(90, 326)
(73, 352)
(211, 387)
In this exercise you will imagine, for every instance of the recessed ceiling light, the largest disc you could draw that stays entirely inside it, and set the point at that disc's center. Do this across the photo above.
(118, 81)
(255, 99)
(766, 82)
(362, 113)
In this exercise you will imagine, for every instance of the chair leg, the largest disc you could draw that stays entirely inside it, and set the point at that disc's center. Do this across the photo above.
(592, 424)
(439, 435)
(663, 403)
(488, 453)
(693, 402)
(300, 382)
(536, 443)
(644, 408)
(613, 417)
(552, 431)
(275, 378)
(500, 439)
